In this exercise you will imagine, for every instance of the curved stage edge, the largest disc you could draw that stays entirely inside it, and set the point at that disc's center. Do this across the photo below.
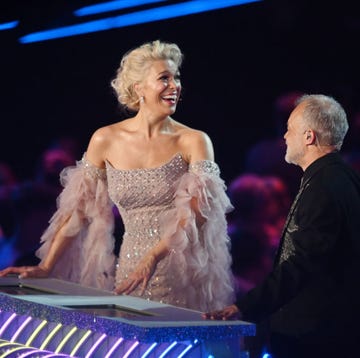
(55, 318)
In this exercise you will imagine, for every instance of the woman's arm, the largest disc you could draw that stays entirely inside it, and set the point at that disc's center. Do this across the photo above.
(61, 240)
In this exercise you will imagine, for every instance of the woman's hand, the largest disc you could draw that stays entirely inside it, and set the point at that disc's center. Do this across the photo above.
(229, 312)
(140, 276)
(26, 271)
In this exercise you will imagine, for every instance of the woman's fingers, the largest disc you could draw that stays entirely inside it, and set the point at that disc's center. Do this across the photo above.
(13, 270)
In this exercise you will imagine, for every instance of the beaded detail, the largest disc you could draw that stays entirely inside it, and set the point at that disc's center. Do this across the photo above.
(204, 166)
(92, 171)
(142, 196)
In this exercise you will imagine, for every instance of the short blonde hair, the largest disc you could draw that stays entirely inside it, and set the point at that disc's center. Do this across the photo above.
(133, 66)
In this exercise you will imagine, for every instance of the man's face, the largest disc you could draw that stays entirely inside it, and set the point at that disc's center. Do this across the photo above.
(295, 137)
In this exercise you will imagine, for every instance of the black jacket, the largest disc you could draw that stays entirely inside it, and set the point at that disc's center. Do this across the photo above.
(315, 284)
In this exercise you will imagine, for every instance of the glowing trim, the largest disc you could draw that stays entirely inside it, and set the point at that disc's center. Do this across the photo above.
(95, 345)
(81, 341)
(8, 25)
(185, 351)
(35, 350)
(150, 349)
(172, 345)
(8, 321)
(131, 349)
(36, 332)
(116, 344)
(10, 351)
(139, 17)
(65, 339)
(51, 335)
(111, 6)
(6, 343)
(19, 330)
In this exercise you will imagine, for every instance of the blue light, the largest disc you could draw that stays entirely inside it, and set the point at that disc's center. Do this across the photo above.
(111, 6)
(139, 17)
(266, 355)
(8, 25)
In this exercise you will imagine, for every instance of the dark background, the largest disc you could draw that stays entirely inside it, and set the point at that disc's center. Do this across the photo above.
(237, 61)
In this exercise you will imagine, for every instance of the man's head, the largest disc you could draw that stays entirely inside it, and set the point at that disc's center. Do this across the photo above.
(316, 126)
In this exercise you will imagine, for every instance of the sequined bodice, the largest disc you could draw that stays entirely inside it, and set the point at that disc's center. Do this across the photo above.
(141, 196)
(145, 188)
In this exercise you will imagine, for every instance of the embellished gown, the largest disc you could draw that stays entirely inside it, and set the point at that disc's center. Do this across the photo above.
(155, 204)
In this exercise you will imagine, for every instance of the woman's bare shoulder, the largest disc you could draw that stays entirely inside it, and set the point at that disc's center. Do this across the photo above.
(102, 141)
(107, 133)
(196, 144)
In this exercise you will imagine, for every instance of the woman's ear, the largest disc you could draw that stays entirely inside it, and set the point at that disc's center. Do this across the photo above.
(138, 89)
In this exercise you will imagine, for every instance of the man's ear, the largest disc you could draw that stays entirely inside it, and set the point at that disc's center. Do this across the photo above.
(310, 136)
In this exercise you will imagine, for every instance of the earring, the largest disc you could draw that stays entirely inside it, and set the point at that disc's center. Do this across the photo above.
(141, 99)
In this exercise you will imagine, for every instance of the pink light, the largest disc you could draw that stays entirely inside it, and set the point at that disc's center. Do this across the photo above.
(116, 344)
(19, 330)
(29, 353)
(95, 345)
(8, 321)
(131, 349)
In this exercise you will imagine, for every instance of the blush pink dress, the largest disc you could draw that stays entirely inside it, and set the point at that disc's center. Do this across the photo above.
(155, 204)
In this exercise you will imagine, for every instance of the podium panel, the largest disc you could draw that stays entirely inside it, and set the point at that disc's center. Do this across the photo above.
(55, 318)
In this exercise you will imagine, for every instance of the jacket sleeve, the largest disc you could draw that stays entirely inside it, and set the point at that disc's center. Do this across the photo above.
(313, 234)
(85, 204)
(197, 237)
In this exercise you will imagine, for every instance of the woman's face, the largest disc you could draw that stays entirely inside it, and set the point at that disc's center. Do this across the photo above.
(161, 87)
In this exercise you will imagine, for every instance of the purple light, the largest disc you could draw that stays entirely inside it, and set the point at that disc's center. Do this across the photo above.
(95, 345)
(116, 344)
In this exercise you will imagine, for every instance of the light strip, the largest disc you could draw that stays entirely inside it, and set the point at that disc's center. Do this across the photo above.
(168, 349)
(35, 333)
(150, 349)
(30, 353)
(50, 336)
(139, 17)
(116, 344)
(8, 25)
(111, 6)
(81, 341)
(8, 321)
(185, 351)
(20, 329)
(65, 339)
(10, 351)
(6, 343)
(95, 345)
(126, 355)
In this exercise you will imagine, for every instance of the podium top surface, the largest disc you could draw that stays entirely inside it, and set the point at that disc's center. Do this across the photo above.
(69, 304)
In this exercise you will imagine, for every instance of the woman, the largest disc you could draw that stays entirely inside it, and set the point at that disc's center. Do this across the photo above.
(162, 177)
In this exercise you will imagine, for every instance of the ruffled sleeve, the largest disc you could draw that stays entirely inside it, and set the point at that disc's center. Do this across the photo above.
(198, 240)
(84, 202)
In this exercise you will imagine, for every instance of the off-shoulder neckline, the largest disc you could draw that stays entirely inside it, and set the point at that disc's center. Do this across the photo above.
(170, 161)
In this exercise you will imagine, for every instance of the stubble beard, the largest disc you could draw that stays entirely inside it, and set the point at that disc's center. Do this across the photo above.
(293, 158)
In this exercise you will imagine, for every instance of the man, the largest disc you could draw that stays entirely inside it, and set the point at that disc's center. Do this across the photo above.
(311, 299)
